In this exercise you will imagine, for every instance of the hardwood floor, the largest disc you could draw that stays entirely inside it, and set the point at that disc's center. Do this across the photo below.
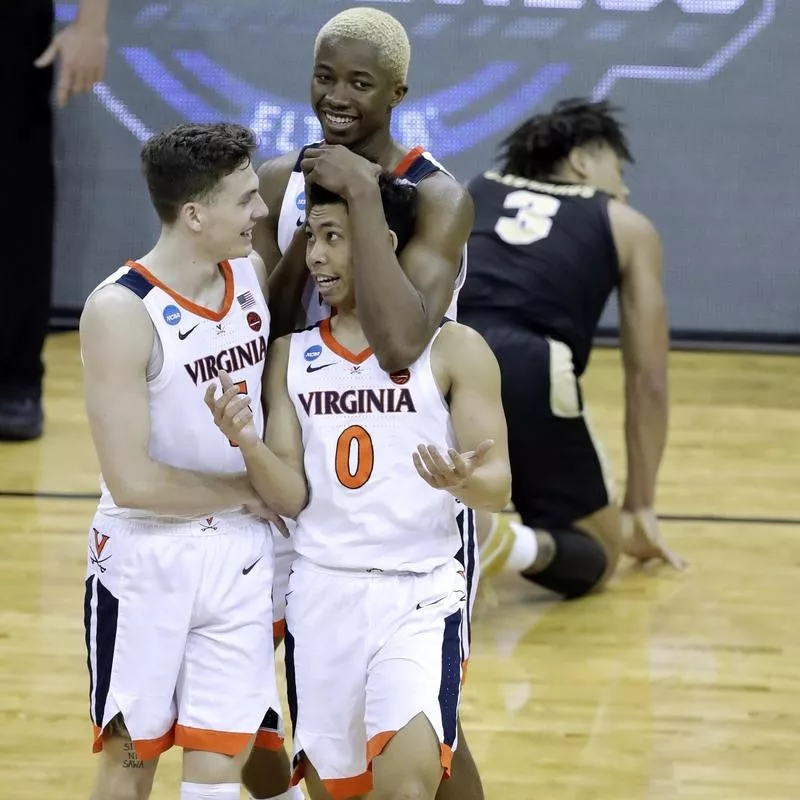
(667, 685)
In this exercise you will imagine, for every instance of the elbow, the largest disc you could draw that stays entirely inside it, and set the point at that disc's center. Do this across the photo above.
(291, 506)
(503, 495)
(127, 493)
(650, 382)
(396, 354)
(499, 495)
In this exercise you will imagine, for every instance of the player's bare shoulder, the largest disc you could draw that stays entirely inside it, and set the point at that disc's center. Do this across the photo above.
(116, 306)
(114, 323)
(273, 178)
(459, 350)
(443, 199)
(633, 233)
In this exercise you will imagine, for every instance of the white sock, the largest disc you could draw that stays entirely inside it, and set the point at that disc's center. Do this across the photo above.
(524, 550)
(210, 791)
(290, 794)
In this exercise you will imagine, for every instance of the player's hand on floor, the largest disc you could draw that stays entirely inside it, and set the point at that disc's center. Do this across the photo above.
(642, 539)
(262, 510)
(449, 473)
(232, 412)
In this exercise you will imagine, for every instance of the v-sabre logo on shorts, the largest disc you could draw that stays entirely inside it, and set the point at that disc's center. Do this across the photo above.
(96, 552)
(611, 40)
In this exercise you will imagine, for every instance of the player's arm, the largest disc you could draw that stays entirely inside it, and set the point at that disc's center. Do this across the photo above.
(275, 466)
(478, 474)
(401, 302)
(644, 335)
(287, 273)
(116, 341)
(261, 273)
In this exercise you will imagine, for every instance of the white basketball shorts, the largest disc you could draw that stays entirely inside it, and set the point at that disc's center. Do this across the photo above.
(178, 620)
(284, 556)
(366, 652)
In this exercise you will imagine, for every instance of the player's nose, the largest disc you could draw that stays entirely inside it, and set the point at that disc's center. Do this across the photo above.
(261, 209)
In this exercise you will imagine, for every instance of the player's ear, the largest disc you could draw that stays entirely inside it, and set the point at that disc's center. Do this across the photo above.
(578, 161)
(190, 213)
(393, 237)
(399, 92)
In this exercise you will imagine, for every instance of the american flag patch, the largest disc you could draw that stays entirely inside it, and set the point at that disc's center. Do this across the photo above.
(246, 300)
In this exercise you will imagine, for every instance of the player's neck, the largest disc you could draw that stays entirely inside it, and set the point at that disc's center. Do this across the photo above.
(381, 149)
(180, 264)
(346, 329)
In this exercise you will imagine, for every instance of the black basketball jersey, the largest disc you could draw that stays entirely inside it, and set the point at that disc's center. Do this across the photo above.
(541, 257)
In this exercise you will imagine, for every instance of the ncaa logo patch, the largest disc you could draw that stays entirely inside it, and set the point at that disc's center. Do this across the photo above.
(301, 201)
(172, 315)
(313, 353)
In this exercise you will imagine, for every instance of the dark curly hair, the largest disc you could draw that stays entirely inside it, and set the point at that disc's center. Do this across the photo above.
(399, 199)
(536, 148)
(187, 162)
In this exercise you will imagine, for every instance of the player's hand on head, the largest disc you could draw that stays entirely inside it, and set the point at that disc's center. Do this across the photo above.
(232, 412)
(643, 541)
(449, 473)
(338, 169)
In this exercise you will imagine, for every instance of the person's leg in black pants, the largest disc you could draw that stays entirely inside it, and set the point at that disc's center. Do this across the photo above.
(26, 222)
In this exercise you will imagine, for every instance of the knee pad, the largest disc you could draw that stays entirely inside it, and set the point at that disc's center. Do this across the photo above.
(577, 567)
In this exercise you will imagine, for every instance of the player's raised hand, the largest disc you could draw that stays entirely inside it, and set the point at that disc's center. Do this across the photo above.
(449, 473)
(231, 411)
(642, 539)
(337, 169)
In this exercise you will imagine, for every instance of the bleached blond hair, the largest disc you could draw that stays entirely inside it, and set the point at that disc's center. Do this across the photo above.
(379, 29)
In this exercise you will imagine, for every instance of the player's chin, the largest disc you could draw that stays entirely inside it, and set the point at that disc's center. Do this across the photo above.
(241, 248)
(346, 137)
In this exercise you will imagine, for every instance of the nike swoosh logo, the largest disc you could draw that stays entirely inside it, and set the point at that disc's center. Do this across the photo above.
(299, 222)
(246, 570)
(312, 368)
(461, 599)
(182, 335)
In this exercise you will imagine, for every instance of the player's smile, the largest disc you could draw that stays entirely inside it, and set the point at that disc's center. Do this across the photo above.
(327, 284)
(337, 122)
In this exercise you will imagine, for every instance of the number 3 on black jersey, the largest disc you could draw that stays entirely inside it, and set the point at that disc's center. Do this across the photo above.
(364, 457)
(534, 218)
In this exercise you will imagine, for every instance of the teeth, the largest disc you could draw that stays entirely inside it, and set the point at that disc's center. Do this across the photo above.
(338, 120)
(326, 281)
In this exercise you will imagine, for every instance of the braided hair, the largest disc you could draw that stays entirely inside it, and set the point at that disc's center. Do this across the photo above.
(536, 148)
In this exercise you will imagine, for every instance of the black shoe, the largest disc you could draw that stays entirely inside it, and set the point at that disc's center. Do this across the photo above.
(21, 419)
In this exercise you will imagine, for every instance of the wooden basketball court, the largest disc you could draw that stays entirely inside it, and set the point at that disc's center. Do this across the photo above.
(669, 685)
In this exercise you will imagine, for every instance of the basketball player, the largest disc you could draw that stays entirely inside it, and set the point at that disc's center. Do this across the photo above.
(177, 608)
(361, 60)
(553, 238)
(376, 594)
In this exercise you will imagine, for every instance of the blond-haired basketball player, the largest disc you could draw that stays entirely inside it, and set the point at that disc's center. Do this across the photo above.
(360, 71)
(177, 609)
(371, 462)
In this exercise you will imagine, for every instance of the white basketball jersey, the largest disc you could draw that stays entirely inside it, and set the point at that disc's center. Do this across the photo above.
(368, 508)
(195, 343)
(417, 165)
